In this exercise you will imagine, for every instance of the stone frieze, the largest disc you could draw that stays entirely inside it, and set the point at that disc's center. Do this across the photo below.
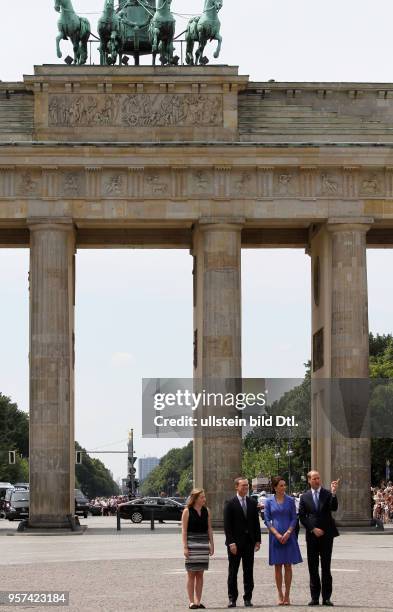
(135, 110)
(217, 182)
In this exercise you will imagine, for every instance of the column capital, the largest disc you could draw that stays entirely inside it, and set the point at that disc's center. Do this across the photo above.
(65, 224)
(220, 224)
(348, 224)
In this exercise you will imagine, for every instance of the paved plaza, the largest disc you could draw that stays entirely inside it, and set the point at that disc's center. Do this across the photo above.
(140, 570)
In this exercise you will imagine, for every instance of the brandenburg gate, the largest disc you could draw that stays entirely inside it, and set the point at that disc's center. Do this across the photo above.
(195, 158)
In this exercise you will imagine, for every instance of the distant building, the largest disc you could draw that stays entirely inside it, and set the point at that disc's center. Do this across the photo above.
(124, 487)
(146, 465)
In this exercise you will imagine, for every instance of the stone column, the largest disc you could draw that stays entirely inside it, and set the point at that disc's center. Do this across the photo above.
(351, 457)
(52, 446)
(340, 363)
(217, 353)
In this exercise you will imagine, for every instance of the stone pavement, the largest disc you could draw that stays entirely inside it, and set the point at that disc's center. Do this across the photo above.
(139, 570)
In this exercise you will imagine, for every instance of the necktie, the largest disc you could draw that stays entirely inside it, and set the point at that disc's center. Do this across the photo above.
(244, 506)
(316, 501)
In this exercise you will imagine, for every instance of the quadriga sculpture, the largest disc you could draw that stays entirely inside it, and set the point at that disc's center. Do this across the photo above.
(136, 28)
(72, 27)
(162, 32)
(109, 33)
(201, 30)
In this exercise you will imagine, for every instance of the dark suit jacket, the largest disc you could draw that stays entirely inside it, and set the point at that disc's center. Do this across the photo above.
(238, 529)
(311, 518)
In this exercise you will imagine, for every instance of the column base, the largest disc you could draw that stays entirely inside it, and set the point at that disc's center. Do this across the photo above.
(351, 523)
(66, 523)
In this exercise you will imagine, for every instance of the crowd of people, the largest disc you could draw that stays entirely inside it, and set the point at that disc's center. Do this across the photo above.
(107, 506)
(383, 502)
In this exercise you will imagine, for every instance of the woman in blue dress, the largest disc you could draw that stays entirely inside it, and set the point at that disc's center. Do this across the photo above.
(280, 519)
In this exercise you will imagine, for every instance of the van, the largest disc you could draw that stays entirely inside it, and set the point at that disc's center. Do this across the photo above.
(81, 503)
(18, 505)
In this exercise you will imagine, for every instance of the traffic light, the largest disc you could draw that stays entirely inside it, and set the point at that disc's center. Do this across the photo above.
(12, 457)
(78, 457)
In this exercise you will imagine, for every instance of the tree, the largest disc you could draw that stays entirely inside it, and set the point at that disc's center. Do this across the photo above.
(381, 402)
(14, 435)
(174, 471)
(92, 476)
(259, 451)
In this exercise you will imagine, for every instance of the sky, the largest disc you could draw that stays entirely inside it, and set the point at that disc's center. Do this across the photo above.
(134, 307)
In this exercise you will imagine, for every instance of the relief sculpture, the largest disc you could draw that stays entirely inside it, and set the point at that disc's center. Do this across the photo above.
(370, 186)
(135, 110)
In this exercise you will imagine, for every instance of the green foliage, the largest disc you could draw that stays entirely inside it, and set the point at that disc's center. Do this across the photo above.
(381, 366)
(174, 471)
(259, 451)
(14, 435)
(258, 461)
(92, 477)
(381, 358)
(186, 482)
(378, 343)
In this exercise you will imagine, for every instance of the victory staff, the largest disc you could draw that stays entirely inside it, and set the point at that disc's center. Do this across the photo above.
(315, 513)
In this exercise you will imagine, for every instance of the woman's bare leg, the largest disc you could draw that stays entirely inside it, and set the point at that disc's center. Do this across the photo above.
(191, 586)
(288, 582)
(278, 577)
(198, 587)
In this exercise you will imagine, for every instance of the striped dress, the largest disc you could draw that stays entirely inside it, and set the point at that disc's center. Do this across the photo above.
(197, 540)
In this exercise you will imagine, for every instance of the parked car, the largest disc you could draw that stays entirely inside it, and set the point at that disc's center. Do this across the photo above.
(22, 486)
(81, 504)
(4, 487)
(179, 500)
(163, 508)
(17, 507)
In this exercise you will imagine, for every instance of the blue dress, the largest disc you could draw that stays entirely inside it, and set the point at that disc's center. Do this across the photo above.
(282, 517)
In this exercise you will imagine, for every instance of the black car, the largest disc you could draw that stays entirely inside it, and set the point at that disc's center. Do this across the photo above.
(5, 487)
(81, 503)
(142, 509)
(18, 505)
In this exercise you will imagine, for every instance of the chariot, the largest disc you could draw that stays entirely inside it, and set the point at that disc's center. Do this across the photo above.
(135, 17)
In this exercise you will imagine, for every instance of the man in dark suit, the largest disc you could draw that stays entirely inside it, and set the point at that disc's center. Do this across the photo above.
(315, 513)
(243, 539)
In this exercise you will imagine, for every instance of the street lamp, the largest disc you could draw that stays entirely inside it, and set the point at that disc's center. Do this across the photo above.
(289, 454)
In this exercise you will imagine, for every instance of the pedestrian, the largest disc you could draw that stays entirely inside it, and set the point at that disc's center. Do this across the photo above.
(198, 544)
(281, 520)
(243, 539)
(315, 513)
(163, 495)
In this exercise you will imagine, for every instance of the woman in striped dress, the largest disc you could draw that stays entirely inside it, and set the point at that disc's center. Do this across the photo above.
(198, 544)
